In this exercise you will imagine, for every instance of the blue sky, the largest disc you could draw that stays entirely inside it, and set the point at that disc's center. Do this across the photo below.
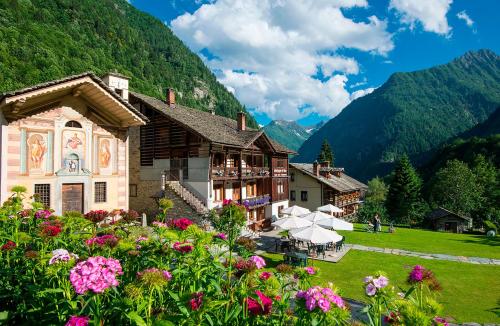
(305, 60)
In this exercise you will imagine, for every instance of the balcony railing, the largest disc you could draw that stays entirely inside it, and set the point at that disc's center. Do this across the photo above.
(280, 172)
(232, 172)
(256, 201)
(246, 172)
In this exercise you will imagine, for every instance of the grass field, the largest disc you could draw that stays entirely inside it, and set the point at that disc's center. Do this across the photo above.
(427, 241)
(471, 293)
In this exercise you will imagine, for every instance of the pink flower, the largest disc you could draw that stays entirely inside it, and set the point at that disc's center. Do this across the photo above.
(322, 298)
(78, 321)
(107, 239)
(61, 255)
(337, 300)
(259, 261)
(160, 224)
(260, 306)
(265, 276)
(182, 223)
(43, 214)
(371, 289)
(95, 274)
(221, 236)
(440, 321)
(183, 247)
(324, 304)
(141, 239)
(310, 270)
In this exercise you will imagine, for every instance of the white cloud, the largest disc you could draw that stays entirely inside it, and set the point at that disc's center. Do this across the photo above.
(430, 13)
(361, 93)
(268, 52)
(465, 17)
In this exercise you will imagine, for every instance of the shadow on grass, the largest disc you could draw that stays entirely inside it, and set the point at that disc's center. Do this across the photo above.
(482, 239)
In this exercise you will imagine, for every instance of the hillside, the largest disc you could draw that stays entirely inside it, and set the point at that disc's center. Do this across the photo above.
(411, 113)
(48, 39)
(288, 133)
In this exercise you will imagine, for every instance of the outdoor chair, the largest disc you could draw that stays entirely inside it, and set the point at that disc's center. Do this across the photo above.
(320, 250)
(369, 228)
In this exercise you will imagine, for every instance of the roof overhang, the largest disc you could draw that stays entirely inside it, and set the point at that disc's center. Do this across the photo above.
(105, 105)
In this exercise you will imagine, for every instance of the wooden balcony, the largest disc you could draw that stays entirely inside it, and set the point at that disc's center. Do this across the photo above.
(234, 173)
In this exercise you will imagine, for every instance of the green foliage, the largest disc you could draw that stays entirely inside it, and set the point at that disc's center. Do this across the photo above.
(374, 201)
(230, 220)
(325, 153)
(44, 40)
(488, 225)
(377, 191)
(413, 112)
(287, 133)
(73, 214)
(456, 188)
(404, 193)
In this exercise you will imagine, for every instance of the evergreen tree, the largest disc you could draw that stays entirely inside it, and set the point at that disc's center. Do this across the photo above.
(325, 153)
(488, 177)
(404, 193)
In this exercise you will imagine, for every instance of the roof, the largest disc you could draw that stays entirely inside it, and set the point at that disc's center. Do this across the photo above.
(442, 212)
(71, 78)
(214, 128)
(343, 183)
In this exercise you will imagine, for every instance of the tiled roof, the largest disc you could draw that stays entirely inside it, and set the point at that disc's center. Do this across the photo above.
(214, 128)
(342, 183)
(71, 78)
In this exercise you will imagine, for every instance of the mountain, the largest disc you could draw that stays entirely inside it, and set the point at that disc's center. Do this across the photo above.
(44, 40)
(312, 129)
(489, 127)
(411, 113)
(288, 133)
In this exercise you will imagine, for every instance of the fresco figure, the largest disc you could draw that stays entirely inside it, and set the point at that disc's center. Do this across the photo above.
(104, 153)
(37, 150)
(74, 142)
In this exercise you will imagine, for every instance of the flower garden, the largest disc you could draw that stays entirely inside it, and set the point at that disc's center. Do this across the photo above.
(98, 270)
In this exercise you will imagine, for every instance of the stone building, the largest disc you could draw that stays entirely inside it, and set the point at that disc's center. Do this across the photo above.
(67, 141)
(316, 184)
(444, 220)
(205, 159)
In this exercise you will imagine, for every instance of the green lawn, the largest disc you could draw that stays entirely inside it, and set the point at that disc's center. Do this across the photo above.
(470, 292)
(427, 241)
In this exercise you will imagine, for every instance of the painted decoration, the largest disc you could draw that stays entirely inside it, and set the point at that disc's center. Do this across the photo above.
(37, 148)
(104, 153)
(73, 151)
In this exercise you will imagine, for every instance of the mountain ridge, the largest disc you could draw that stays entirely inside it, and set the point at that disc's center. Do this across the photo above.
(410, 113)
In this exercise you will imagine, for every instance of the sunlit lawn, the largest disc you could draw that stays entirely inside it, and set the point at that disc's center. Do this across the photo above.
(427, 241)
(470, 292)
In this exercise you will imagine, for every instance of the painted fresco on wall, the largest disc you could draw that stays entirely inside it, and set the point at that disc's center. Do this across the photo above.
(73, 151)
(104, 153)
(37, 149)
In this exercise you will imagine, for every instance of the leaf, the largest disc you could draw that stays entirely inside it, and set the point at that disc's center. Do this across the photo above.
(4, 315)
(134, 316)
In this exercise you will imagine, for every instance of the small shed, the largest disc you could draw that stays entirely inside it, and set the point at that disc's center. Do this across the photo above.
(442, 219)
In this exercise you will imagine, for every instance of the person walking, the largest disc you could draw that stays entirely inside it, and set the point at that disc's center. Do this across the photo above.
(377, 225)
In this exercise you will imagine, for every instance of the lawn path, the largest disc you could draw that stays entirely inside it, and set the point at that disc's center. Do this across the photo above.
(400, 252)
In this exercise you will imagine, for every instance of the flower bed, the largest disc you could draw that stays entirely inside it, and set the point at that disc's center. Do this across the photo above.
(79, 271)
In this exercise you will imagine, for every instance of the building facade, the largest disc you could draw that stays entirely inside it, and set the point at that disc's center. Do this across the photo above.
(316, 184)
(67, 142)
(206, 157)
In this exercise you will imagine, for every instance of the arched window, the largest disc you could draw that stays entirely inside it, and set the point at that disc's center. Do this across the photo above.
(73, 124)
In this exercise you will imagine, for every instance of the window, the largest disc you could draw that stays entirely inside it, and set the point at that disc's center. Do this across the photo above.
(218, 192)
(42, 191)
(100, 192)
(292, 195)
(132, 190)
(281, 187)
(119, 92)
(73, 124)
(251, 189)
(303, 195)
(292, 177)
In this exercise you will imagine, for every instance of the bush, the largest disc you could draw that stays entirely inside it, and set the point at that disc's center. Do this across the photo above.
(489, 225)
(73, 214)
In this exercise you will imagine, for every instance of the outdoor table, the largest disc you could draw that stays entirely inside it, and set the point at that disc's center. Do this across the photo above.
(285, 244)
(295, 258)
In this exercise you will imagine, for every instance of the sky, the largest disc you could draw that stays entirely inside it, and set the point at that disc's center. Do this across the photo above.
(305, 60)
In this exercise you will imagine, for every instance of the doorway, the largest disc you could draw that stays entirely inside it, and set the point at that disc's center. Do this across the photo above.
(72, 197)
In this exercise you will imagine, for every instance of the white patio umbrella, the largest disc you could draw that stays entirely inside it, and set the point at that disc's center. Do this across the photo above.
(315, 216)
(335, 223)
(329, 208)
(295, 210)
(292, 222)
(315, 234)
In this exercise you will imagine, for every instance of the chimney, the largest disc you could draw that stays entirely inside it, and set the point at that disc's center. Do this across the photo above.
(170, 97)
(316, 168)
(242, 123)
(118, 83)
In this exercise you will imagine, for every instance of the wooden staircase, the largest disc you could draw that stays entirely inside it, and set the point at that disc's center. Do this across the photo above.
(187, 196)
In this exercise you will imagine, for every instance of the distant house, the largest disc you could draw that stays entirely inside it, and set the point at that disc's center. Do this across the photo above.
(442, 219)
(317, 184)
(206, 159)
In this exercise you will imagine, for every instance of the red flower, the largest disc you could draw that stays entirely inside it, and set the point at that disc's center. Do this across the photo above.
(182, 223)
(184, 247)
(51, 230)
(196, 301)
(260, 306)
(10, 245)
(265, 276)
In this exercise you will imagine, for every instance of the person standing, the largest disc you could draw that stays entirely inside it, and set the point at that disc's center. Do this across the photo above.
(376, 224)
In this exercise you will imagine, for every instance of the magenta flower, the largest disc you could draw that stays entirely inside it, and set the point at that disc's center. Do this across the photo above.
(310, 270)
(260, 306)
(440, 321)
(322, 298)
(107, 239)
(95, 274)
(221, 236)
(78, 321)
(183, 247)
(416, 274)
(196, 301)
(43, 214)
(259, 261)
